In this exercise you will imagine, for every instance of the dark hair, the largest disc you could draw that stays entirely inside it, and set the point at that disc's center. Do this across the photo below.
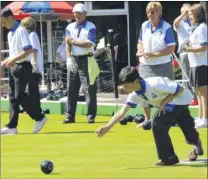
(128, 75)
(6, 12)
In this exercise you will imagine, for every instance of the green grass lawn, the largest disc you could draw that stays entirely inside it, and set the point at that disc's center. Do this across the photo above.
(125, 152)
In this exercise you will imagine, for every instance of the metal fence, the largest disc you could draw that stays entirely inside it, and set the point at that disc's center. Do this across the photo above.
(53, 73)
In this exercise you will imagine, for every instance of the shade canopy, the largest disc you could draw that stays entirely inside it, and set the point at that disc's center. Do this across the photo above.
(47, 9)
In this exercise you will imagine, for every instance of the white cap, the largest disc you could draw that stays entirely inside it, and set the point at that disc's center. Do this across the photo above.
(79, 8)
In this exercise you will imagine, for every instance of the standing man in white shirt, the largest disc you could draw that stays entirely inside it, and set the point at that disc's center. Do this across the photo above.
(80, 43)
(172, 101)
(182, 26)
(20, 72)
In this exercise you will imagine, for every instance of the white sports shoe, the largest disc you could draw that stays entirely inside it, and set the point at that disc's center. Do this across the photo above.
(8, 131)
(201, 124)
(39, 125)
(197, 120)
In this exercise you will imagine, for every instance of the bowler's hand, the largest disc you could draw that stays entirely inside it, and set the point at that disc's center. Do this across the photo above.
(150, 55)
(186, 46)
(69, 40)
(139, 53)
(102, 131)
(161, 109)
(9, 62)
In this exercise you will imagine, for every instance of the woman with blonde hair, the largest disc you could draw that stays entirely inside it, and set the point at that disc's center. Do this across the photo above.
(155, 45)
(197, 48)
(37, 63)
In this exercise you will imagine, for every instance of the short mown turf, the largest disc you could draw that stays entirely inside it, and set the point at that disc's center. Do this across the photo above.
(125, 152)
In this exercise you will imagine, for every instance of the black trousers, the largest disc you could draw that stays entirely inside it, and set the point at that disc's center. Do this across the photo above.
(75, 79)
(161, 125)
(34, 94)
(19, 77)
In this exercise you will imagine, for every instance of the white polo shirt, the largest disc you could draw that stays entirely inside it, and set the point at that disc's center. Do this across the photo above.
(18, 40)
(198, 38)
(183, 32)
(36, 46)
(155, 41)
(155, 89)
(86, 32)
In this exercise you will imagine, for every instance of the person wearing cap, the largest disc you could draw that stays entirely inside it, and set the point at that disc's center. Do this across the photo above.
(80, 42)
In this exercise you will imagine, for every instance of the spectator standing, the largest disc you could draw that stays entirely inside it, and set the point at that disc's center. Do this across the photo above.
(80, 43)
(182, 26)
(197, 48)
(154, 48)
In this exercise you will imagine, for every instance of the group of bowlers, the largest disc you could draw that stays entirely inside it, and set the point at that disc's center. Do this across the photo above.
(172, 99)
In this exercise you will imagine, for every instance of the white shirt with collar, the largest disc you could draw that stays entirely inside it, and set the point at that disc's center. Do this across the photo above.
(33, 36)
(155, 89)
(18, 40)
(197, 38)
(155, 41)
(86, 32)
(183, 32)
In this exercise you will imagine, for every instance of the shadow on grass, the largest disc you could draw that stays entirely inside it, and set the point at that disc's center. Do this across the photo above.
(177, 165)
(85, 122)
(69, 132)
(60, 132)
(55, 173)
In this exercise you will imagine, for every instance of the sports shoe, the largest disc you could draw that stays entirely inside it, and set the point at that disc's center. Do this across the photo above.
(68, 121)
(170, 161)
(8, 131)
(90, 121)
(39, 125)
(196, 120)
(202, 123)
(193, 155)
(197, 150)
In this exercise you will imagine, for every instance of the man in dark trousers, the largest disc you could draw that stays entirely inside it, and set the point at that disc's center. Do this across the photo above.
(80, 41)
(20, 72)
(172, 100)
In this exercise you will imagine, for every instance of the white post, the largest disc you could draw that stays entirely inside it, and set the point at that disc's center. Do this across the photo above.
(0, 67)
(49, 41)
(41, 44)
